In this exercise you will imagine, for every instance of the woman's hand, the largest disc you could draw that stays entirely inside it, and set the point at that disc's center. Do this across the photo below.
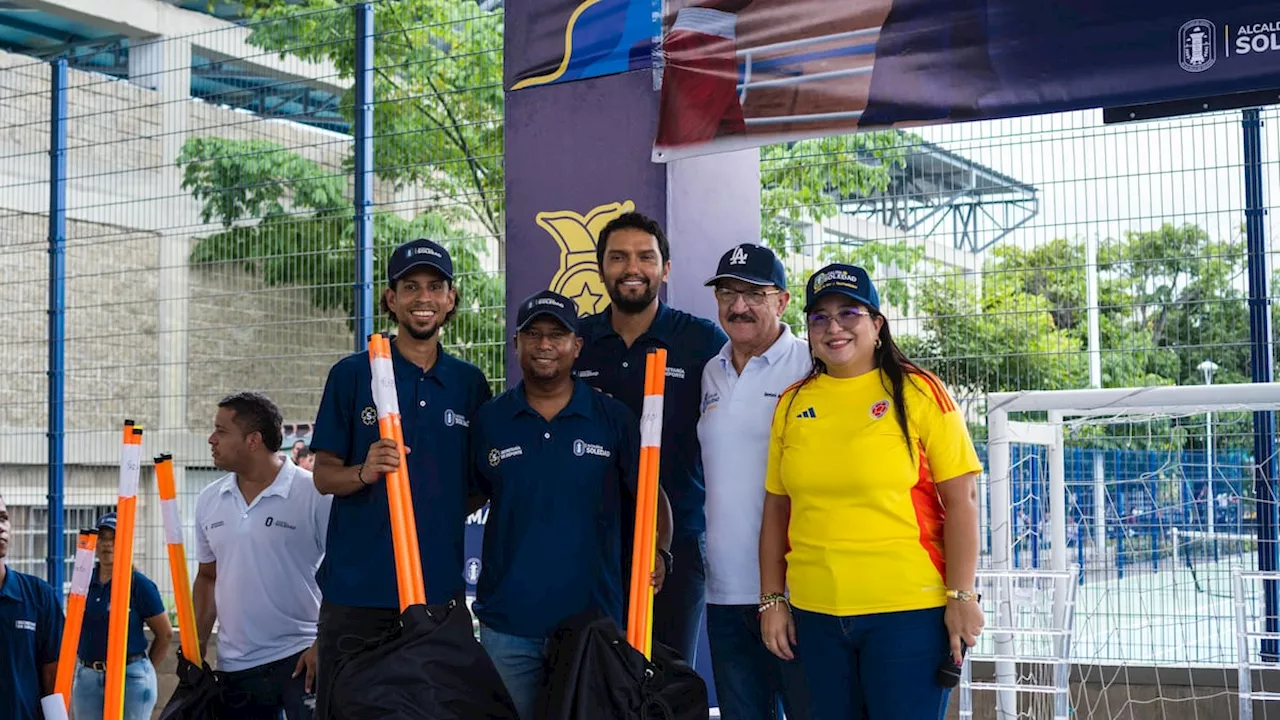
(778, 629)
(964, 621)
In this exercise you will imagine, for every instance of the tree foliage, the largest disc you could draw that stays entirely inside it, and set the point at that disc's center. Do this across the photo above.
(438, 128)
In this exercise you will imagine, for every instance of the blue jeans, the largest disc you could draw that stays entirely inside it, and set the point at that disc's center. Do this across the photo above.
(89, 690)
(677, 610)
(751, 682)
(522, 664)
(874, 667)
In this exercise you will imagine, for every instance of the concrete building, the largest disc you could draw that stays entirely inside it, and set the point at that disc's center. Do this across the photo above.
(151, 336)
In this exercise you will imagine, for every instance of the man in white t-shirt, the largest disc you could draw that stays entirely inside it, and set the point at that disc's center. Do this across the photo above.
(740, 388)
(260, 536)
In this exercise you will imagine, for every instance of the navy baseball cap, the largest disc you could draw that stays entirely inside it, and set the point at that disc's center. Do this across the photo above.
(107, 521)
(416, 254)
(548, 304)
(751, 263)
(839, 279)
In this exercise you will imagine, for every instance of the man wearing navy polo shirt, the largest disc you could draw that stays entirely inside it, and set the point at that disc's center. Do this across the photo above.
(438, 396)
(30, 636)
(556, 459)
(635, 259)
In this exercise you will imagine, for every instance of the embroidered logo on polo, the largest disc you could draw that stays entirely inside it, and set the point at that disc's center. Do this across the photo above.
(581, 448)
(675, 372)
(272, 522)
(587, 373)
(496, 456)
(369, 416)
(879, 408)
(709, 400)
(24, 625)
(452, 418)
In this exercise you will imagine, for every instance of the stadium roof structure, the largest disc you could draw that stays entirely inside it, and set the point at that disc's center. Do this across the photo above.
(935, 186)
(52, 29)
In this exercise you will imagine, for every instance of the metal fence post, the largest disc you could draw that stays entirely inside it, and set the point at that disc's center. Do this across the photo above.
(364, 174)
(1260, 356)
(57, 315)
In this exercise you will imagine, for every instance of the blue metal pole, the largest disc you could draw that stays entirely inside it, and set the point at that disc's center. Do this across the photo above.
(1260, 335)
(57, 316)
(364, 174)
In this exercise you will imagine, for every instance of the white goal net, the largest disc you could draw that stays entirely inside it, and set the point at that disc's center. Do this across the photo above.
(1146, 498)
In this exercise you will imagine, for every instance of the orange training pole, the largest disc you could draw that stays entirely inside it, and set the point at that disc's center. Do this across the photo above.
(177, 558)
(80, 579)
(636, 599)
(122, 573)
(404, 533)
(644, 553)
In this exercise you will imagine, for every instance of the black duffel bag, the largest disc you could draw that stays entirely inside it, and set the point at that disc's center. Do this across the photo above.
(429, 667)
(595, 674)
(198, 695)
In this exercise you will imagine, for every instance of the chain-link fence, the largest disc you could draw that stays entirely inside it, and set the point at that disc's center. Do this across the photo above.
(214, 208)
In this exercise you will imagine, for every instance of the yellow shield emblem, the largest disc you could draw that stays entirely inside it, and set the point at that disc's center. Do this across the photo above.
(578, 276)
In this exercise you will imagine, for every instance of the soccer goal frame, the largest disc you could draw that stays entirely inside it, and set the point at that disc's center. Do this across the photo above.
(1061, 406)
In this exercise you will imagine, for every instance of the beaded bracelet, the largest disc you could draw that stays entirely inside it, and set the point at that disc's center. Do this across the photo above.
(771, 599)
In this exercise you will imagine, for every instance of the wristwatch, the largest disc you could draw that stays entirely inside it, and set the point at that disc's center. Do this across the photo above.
(666, 559)
(964, 595)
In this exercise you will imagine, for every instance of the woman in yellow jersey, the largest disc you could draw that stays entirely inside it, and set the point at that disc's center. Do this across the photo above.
(870, 518)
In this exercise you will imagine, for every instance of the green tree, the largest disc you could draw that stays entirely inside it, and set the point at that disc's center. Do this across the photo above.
(438, 127)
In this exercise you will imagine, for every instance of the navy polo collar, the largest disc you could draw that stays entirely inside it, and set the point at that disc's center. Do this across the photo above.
(443, 371)
(579, 403)
(9, 590)
(659, 329)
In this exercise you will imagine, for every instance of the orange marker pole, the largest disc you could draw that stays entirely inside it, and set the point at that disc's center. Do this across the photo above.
(636, 603)
(651, 442)
(122, 573)
(404, 533)
(86, 545)
(177, 558)
(645, 548)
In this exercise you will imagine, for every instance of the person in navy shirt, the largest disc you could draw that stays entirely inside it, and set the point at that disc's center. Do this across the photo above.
(555, 457)
(30, 636)
(438, 397)
(145, 606)
(635, 259)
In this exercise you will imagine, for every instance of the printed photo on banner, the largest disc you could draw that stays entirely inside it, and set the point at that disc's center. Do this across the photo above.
(744, 73)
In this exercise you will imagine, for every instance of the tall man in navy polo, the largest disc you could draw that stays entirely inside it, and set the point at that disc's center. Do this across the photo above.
(438, 396)
(635, 259)
(556, 459)
(30, 636)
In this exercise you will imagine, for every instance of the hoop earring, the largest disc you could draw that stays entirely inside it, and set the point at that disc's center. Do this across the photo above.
(877, 343)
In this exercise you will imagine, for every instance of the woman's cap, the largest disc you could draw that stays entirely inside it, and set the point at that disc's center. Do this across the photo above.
(840, 279)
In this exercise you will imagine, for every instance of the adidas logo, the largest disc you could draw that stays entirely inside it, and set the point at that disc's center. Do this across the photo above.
(808, 414)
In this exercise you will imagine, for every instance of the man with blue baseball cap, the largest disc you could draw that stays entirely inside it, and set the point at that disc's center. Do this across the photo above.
(555, 459)
(438, 396)
(740, 388)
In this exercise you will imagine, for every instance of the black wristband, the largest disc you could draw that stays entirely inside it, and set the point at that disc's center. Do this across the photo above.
(667, 560)
(359, 475)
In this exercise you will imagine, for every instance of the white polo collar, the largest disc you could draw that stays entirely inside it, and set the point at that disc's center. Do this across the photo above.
(771, 356)
(278, 487)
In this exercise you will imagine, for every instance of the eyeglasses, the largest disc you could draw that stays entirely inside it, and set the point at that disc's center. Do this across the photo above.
(847, 318)
(754, 298)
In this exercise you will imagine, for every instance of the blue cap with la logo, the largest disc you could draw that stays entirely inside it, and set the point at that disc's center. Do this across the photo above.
(755, 264)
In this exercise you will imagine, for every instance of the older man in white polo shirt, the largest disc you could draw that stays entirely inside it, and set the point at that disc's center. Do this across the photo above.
(740, 388)
(260, 536)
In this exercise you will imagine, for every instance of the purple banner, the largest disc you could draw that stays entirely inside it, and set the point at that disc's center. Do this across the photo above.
(570, 171)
